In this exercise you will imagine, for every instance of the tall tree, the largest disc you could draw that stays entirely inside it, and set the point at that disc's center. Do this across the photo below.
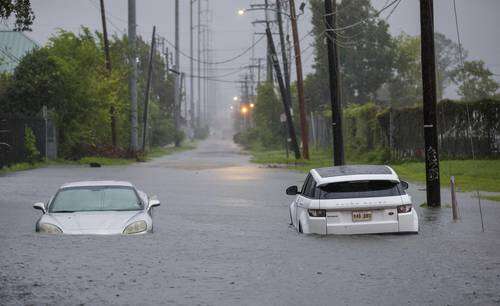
(366, 51)
(475, 81)
(447, 60)
(68, 76)
(36, 81)
(266, 116)
(405, 86)
(21, 9)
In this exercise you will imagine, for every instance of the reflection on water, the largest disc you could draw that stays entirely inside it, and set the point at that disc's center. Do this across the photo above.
(431, 214)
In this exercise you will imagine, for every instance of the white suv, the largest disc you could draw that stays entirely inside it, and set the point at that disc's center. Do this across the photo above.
(358, 199)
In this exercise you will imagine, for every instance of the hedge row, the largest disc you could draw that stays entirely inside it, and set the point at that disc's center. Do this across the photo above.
(370, 127)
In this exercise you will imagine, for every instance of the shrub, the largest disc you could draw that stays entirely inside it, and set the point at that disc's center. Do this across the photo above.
(32, 153)
(201, 132)
(247, 139)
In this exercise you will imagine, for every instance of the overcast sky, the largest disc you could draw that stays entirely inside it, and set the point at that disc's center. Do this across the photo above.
(479, 24)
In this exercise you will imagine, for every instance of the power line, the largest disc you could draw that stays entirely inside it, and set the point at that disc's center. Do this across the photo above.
(393, 10)
(460, 51)
(218, 62)
(377, 13)
(109, 19)
(350, 39)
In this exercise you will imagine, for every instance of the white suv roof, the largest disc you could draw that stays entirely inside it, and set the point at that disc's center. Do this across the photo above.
(97, 183)
(337, 174)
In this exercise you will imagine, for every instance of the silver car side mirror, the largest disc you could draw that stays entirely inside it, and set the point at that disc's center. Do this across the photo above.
(153, 202)
(39, 206)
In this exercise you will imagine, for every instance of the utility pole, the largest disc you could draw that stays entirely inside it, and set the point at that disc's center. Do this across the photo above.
(335, 88)
(199, 63)
(177, 91)
(108, 67)
(191, 66)
(134, 128)
(269, 75)
(429, 107)
(279, 77)
(283, 50)
(205, 71)
(182, 94)
(304, 131)
(259, 66)
(284, 56)
(148, 85)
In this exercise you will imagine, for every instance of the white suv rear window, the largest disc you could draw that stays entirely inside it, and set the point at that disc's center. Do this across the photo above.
(360, 189)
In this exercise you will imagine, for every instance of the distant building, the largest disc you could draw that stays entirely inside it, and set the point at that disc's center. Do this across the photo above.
(13, 46)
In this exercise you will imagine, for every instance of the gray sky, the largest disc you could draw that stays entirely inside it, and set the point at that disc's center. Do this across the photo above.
(479, 24)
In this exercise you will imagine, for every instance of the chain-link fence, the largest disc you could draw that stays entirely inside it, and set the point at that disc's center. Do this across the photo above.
(12, 138)
(465, 129)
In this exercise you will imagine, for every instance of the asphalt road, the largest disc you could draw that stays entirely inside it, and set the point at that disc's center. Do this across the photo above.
(222, 238)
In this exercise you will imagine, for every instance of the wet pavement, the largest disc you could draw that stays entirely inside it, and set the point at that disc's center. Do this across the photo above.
(222, 238)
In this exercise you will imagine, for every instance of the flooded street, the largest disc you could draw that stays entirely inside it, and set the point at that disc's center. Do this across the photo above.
(222, 238)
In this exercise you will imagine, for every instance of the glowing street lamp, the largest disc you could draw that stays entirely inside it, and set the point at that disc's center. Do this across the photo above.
(252, 105)
(241, 12)
(235, 98)
(244, 110)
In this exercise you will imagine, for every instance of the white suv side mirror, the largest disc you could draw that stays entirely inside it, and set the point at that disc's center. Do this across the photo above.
(39, 206)
(404, 185)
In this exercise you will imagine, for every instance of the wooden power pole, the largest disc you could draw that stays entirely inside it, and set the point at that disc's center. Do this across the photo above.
(148, 86)
(281, 83)
(132, 27)
(304, 131)
(429, 108)
(108, 67)
(177, 88)
(191, 68)
(335, 88)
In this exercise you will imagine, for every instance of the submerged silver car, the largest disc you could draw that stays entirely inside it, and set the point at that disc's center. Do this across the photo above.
(97, 208)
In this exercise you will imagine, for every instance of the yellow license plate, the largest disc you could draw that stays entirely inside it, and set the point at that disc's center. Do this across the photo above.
(359, 216)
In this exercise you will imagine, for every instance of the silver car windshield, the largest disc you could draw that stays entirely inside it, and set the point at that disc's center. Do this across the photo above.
(95, 199)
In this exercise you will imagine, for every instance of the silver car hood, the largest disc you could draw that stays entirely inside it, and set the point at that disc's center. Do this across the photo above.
(94, 222)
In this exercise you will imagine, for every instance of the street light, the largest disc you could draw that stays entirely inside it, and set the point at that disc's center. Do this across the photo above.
(244, 110)
(235, 98)
(252, 105)
(241, 12)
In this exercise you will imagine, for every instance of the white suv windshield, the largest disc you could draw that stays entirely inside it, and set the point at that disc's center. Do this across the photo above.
(95, 199)
(359, 189)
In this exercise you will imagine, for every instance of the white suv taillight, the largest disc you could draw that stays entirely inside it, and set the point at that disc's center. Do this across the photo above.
(404, 209)
(317, 212)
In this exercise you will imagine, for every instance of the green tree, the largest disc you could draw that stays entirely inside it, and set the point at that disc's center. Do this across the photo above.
(21, 9)
(32, 153)
(36, 81)
(405, 86)
(68, 75)
(447, 60)
(475, 81)
(366, 51)
(266, 116)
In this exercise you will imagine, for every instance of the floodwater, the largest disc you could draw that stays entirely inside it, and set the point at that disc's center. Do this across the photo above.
(222, 238)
